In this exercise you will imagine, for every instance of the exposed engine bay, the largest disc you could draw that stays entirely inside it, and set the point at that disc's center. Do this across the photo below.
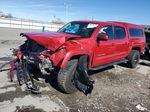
(32, 51)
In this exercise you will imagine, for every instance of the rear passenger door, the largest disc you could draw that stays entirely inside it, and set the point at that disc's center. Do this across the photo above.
(120, 42)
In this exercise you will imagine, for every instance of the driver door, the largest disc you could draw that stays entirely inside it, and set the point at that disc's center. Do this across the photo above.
(104, 51)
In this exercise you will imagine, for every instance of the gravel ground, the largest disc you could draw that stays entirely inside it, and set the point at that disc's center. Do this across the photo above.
(116, 89)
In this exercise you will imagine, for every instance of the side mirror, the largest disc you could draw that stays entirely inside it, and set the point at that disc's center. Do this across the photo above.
(102, 37)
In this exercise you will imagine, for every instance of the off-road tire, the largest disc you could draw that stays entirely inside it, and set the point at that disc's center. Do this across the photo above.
(133, 58)
(65, 77)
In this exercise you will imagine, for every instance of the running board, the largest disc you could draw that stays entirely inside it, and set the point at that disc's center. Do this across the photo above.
(110, 64)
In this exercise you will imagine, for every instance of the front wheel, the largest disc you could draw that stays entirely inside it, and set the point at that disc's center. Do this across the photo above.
(133, 58)
(66, 76)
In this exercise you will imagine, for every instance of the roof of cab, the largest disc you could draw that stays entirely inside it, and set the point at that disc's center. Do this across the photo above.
(128, 24)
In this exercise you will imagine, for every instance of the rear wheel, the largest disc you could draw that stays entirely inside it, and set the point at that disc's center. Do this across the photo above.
(66, 76)
(133, 58)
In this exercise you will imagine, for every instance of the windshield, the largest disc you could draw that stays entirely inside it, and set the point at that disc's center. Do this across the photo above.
(82, 29)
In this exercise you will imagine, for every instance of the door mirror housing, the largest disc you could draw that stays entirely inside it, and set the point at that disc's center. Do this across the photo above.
(103, 37)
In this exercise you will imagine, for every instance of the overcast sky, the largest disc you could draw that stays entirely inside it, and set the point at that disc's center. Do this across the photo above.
(133, 11)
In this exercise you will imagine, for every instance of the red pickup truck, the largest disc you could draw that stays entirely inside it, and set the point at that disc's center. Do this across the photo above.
(77, 47)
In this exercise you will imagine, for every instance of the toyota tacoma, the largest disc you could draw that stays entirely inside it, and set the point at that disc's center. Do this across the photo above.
(74, 49)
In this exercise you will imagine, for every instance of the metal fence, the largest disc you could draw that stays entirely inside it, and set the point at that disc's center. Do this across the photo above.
(28, 24)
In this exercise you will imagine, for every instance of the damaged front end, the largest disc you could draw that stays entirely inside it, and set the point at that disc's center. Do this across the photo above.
(30, 58)
(36, 56)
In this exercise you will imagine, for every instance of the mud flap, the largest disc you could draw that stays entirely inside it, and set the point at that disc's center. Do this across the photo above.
(82, 80)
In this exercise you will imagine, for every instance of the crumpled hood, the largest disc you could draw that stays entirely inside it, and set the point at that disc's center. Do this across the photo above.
(50, 40)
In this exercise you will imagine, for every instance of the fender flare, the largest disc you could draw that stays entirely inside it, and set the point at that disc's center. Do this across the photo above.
(69, 55)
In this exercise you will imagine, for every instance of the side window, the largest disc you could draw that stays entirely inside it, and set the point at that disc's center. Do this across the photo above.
(136, 32)
(119, 32)
(108, 31)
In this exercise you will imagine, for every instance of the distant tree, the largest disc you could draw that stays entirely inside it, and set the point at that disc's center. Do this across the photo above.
(1, 13)
(9, 15)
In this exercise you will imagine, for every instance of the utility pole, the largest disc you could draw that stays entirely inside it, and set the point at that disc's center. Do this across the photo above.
(92, 18)
(67, 7)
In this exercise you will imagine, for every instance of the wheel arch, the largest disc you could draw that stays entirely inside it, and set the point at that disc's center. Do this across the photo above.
(137, 48)
(70, 57)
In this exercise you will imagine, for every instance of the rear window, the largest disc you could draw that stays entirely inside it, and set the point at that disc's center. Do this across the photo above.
(134, 32)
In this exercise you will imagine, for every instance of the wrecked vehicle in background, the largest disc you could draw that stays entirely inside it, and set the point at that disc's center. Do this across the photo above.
(146, 54)
(77, 47)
